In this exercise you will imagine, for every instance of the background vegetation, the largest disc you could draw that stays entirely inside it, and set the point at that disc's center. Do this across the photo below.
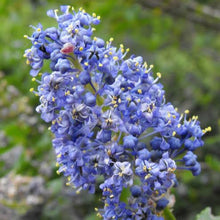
(180, 39)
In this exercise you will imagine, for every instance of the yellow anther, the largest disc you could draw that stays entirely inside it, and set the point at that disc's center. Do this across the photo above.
(58, 172)
(67, 92)
(109, 120)
(119, 100)
(144, 168)
(115, 106)
(31, 89)
(110, 53)
(81, 49)
(98, 17)
(100, 65)
(96, 164)
(94, 15)
(147, 176)
(174, 133)
(113, 102)
(115, 58)
(151, 66)
(53, 99)
(186, 111)
(106, 56)
(76, 31)
(122, 50)
(127, 50)
(159, 75)
(27, 62)
(49, 128)
(80, 9)
(33, 79)
(111, 39)
(122, 89)
(93, 29)
(57, 164)
(78, 191)
(54, 122)
(120, 174)
(179, 125)
(40, 74)
(25, 36)
(168, 114)
(70, 28)
(129, 87)
(194, 117)
(139, 91)
(86, 64)
(99, 215)
(95, 38)
(145, 64)
(67, 184)
(38, 29)
(121, 45)
(59, 155)
(171, 170)
(96, 209)
(128, 99)
(136, 64)
(111, 196)
(139, 100)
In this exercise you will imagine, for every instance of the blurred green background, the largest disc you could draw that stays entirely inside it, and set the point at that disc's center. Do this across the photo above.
(181, 39)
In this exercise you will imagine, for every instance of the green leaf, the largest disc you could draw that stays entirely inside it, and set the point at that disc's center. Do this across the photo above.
(207, 215)
(92, 217)
(168, 215)
(125, 194)
(213, 162)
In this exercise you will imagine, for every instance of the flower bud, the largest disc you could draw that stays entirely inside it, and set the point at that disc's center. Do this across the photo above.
(67, 48)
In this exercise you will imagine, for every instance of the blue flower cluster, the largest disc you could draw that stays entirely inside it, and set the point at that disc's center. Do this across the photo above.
(109, 118)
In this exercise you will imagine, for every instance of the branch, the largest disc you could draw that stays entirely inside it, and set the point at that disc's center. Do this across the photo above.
(195, 12)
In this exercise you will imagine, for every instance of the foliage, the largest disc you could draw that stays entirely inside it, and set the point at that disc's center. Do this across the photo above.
(186, 54)
(206, 215)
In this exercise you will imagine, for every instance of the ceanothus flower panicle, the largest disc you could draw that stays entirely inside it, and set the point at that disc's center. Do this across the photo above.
(109, 118)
